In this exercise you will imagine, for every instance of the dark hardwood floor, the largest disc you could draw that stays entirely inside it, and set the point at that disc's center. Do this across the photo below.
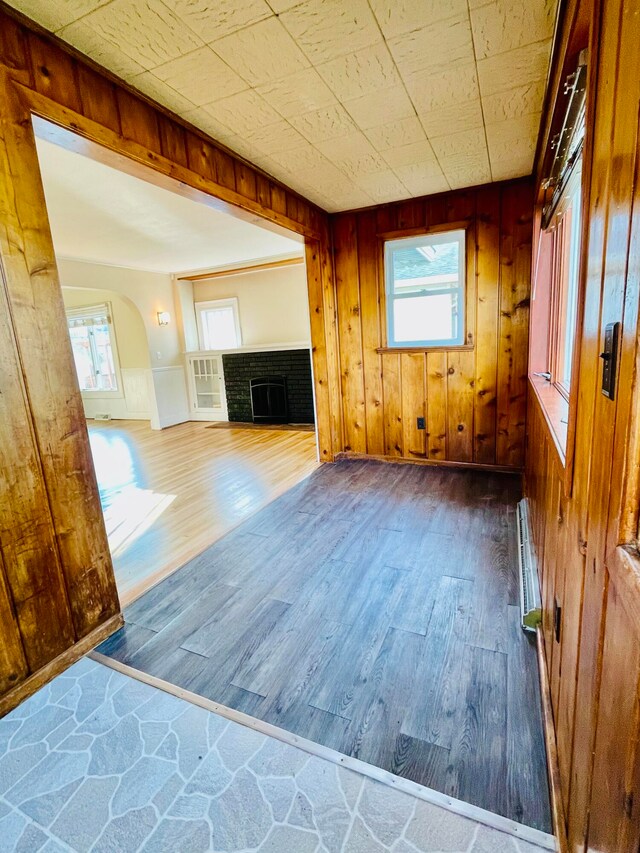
(374, 609)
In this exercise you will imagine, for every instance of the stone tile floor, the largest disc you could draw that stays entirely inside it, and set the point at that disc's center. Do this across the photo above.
(99, 761)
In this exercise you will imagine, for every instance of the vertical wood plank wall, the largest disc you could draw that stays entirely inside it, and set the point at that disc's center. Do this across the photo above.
(586, 538)
(473, 398)
(57, 589)
(56, 584)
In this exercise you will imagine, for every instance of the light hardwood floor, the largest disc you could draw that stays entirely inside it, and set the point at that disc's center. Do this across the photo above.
(167, 495)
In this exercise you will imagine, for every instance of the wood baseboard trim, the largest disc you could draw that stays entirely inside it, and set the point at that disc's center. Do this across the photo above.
(38, 679)
(555, 791)
(418, 460)
(495, 821)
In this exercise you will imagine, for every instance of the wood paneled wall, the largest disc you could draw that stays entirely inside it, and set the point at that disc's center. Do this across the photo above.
(57, 589)
(586, 531)
(473, 397)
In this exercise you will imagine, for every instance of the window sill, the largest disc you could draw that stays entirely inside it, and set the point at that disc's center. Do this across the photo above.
(456, 348)
(103, 395)
(555, 409)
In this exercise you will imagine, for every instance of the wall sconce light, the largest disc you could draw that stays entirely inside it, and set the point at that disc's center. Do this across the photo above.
(163, 318)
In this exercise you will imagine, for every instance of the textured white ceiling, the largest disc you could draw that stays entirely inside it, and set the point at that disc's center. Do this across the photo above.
(349, 102)
(103, 215)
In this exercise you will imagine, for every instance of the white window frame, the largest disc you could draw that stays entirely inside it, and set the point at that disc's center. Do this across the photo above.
(427, 239)
(89, 311)
(201, 307)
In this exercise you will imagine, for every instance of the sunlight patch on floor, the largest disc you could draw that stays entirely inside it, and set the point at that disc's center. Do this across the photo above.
(130, 514)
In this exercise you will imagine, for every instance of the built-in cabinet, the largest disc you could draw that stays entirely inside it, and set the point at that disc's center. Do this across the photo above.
(205, 375)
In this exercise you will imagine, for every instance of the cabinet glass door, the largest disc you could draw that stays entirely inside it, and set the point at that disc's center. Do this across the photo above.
(206, 380)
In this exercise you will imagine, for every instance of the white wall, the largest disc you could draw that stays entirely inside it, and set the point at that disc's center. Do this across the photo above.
(273, 304)
(148, 293)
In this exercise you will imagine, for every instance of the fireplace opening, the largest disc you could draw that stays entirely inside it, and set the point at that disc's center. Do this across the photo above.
(269, 400)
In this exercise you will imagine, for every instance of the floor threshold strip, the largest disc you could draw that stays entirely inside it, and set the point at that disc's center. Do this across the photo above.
(490, 819)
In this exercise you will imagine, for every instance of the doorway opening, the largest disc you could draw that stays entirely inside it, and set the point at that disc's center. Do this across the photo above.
(173, 307)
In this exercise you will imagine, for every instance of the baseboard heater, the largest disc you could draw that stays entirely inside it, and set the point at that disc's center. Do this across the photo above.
(530, 607)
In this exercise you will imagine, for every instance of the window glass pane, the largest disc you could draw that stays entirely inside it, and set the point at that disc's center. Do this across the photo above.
(571, 292)
(82, 358)
(93, 353)
(424, 318)
(425, 290)
(565, 231)
(425, 267)
(219, 328)
(105, 368)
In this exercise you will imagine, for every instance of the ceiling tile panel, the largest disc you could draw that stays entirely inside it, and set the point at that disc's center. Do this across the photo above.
(328, 29)
(349, 199)
(349, 103)
(244, 112)
(444, 44)
(513, 134)
(54, 16)
(397, 17)
(359, 165)
(422, 179)
(394, 133)
(85, 39)
(262, 52)
(461, 143)
(201, 77)
(436, 90)
(464, 116)
(321, 125)
(360, 73)
(466, 169)
(411, 154)
(355, 144)
(514, 166)
(213, 19)
(505, 24)
(275, 138)
(383, 186)
(379, 107)
(155, 89)
(515, 68)
(209, 124)
(298, 94)
(512, 142)
(332, 182)
(301, 159)
(145, 30)
(283, 5)
(520, 101)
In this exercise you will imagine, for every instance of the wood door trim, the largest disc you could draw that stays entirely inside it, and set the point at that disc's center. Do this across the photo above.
(401, 233)
(623, 566)
(34, 682)
(192, 184)
(269, 265)
(555, 789)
